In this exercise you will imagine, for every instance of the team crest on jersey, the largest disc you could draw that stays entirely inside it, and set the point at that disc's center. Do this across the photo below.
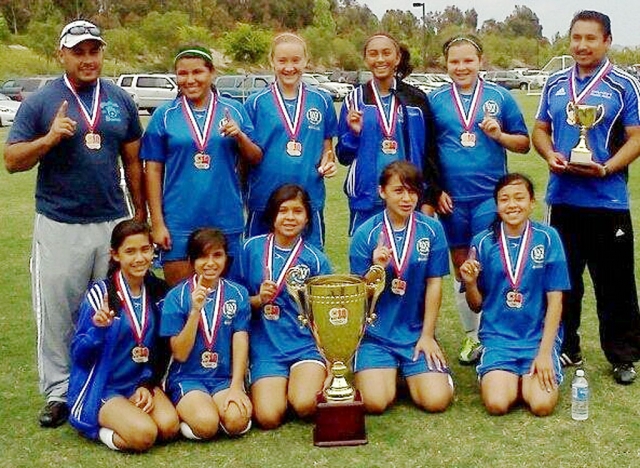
(537, 254)
(229, 310)
(491, 108)
(423, 246)
(111, 111)
(314, 116)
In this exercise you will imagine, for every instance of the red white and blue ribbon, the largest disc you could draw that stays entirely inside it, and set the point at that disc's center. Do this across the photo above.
(292, 126)
(593, 82)
(138, 327)
(91, 116)
(467, 119)
(514, 272)
(388, 124)
(292, 257)
(400, 259)
(210, 330)
(201, 138)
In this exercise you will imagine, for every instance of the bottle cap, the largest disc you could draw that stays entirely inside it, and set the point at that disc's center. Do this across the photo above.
(580, 373)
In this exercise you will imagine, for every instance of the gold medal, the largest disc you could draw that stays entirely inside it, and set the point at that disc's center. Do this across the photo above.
(209, 359)
(294, 148)
(140, 354)
(93, 141)
(468, 139)
(202, 161)
(514, 299)
(271, 312)
(398, 286)
(389, 146)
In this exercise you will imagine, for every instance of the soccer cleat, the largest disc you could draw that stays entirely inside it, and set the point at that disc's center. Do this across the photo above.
(470, 351)
(571, 359)
(54, 414)
(624, 373)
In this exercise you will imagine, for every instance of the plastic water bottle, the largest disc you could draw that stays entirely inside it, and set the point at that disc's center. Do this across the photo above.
(579, 397)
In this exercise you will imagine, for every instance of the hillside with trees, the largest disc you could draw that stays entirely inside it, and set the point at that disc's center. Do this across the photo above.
(143, 34)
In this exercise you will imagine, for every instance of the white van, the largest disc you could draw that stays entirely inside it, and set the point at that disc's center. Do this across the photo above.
(150, 90)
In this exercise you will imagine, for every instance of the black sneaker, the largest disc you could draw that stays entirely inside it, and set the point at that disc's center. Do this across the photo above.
(624, 373)
(54, 414)
(571, 359)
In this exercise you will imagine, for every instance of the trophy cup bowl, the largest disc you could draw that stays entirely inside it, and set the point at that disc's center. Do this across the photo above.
(586, 117)
(336, 309)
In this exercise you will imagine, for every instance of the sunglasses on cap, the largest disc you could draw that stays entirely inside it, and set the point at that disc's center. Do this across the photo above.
(80, 30)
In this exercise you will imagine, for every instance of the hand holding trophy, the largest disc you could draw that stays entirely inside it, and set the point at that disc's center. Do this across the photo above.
(336, 309)
(585, 117)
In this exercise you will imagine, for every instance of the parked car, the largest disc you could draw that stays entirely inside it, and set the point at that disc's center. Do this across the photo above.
(8, 109)
(313, 81)
(352, 77)
(149, 90)
(241, 86)
(342, 89)
(427, 82)
(508, 79)
(19, 88)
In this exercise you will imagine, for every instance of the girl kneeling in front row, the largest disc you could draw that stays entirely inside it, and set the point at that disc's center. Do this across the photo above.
(117, 358)
(516, 273)
(207, 317)
(412, 248)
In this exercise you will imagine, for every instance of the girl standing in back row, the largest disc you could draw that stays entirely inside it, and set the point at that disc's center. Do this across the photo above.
(294, 124)
(472, 146)
(382, 121)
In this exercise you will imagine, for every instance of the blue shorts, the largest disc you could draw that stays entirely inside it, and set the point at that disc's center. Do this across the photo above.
(515, 360)
(374, 355)
(357, 217)
(179, 388)
(259, 368)
(314, 234)
(467, 220)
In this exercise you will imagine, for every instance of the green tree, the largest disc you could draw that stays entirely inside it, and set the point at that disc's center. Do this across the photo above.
(5, 34)
(162, 32)
(247, 43)
(43, 36)
(523, 22)
(125, 45)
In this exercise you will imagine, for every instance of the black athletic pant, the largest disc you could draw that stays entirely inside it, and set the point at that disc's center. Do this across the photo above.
(601, 240)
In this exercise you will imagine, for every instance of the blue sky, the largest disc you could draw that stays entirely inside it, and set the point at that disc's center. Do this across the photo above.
(555, 15)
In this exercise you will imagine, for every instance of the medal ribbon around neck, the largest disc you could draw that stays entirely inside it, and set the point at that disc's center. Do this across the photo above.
(289, 261)
(467, 120)
(388, 125)
(593, 82)
(92, 117)
(210, 332)
(138, 327)
(201, 138)
(514, 275)
(400, 260)
(291, 126)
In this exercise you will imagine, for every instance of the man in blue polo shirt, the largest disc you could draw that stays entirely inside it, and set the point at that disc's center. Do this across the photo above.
(73, 129)
(589, 201)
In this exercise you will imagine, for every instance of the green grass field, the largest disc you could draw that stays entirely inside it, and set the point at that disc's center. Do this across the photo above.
(464, 436)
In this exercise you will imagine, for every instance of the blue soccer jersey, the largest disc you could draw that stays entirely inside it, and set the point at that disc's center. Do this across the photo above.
(77, 184)
(276, 333)
(206, 363)
(470, 172)
(200, 188)
(288, 159)
(544, 269)
(619, 95)
(401, 317)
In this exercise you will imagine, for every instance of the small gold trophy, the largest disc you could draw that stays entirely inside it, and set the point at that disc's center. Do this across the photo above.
(585, 117)
(336, 309)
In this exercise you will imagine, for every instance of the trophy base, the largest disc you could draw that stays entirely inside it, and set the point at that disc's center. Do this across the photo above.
(339, 424)
(583, 158)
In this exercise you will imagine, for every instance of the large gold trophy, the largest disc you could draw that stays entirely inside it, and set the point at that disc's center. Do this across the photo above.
(585, 117)
(336, 308)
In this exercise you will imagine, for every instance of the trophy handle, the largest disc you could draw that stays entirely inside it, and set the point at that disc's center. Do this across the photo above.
(295, 282)
(600, 112)
(374, 279)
